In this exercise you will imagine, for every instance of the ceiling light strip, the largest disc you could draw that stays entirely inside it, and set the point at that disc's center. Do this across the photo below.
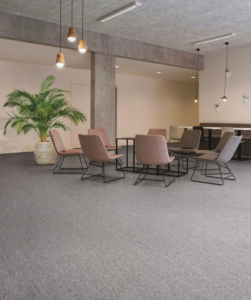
(216, 38)
(120, 11)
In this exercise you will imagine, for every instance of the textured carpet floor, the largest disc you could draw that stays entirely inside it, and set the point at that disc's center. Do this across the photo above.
(62, 238)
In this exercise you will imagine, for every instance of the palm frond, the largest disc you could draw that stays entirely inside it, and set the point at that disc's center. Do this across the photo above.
(47, 83)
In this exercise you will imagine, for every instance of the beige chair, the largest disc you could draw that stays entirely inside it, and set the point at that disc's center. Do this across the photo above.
(173, 134)
(94, 149)
(152, 150)
(224, 156)
(157, 132)
(63, 152)
(220, 145)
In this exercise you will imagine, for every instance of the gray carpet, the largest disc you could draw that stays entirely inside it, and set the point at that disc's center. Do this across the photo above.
(63, 238)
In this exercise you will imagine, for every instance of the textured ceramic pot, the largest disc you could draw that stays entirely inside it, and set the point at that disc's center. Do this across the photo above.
(217, 109)
(228, 74)
(45, 153)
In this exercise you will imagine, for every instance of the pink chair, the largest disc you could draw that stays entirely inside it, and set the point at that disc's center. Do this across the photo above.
(152, 150)
(157, 132)
(103, 134)
(63, 152)
(94, 149)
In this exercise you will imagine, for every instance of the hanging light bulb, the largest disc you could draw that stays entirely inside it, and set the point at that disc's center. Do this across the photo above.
(196, 100)
(60, 57)
(224, 98)
(82, 43)
(71, 36)
(60, 60)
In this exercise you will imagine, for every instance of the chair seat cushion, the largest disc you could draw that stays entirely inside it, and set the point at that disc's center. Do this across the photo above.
(112, 148)
(115, 156)
(181, 150)
(71, 152)
(206, 152)
(206, 157)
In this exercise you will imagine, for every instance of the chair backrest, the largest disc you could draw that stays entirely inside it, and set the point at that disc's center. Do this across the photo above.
(157, 132)
(229, 149)
(190, 139)
(93, 148)
(173, 132)
(57, 141)
(101, 132)
(202, 137)
(226, 129)
(151, 149)
(223, 140)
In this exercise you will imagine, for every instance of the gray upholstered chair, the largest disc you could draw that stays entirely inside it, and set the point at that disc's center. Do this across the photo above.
(152, 150)
(189, 142)
(157, 132)
(63, 153)
(94, 149)
(220, 160)
(219, 147)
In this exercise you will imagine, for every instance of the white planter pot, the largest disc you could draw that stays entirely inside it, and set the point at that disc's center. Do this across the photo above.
(217, 109)
(228, 74)
(45, 153)
(245, 100)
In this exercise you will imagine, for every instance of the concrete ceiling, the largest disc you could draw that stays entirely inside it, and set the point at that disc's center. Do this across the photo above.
(46, 55)
(169, 23)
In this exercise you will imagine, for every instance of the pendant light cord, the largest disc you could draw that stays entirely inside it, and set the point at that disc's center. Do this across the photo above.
(60, 25)
(82, 19)
(226, 69)
(197, 73)
(71, 13)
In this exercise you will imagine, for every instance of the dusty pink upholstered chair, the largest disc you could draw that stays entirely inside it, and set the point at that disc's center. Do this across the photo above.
(152, 150)
(102, 132)
(157, 132)
(94, 149)
(63, 152)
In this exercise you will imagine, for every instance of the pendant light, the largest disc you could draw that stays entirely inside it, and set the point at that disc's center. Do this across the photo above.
(72, 34)
(224, 98)
(82, 43)
(60, 57)
(197, 74)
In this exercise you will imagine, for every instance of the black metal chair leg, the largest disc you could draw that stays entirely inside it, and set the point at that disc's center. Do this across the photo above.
(106, 181)
(167, 185)
(60, 163)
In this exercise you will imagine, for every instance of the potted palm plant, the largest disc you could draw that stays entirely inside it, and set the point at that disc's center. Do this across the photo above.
(41, 112)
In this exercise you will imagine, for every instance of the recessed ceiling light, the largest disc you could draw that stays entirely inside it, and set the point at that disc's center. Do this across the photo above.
(120, 11)
(158, 72)
(116, 66)
(193, 77)
(216, 38)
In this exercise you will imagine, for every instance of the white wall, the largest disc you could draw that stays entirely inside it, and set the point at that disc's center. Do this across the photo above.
(29, 77)
(212, 83)
(145, 103)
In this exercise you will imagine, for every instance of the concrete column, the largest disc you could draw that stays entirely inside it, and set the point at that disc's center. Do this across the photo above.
(103, 93)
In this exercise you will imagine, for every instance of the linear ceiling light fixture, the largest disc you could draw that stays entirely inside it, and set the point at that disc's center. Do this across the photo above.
(216, 38)
(60, 57)
(120, 11)
(196, 83)
(72, 34)
(82, 43)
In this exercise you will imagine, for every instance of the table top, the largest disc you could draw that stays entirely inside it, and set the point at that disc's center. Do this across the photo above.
(214, 128)
(125, 138)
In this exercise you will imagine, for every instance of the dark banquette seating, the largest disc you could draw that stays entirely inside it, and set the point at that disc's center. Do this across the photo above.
(216, 134)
